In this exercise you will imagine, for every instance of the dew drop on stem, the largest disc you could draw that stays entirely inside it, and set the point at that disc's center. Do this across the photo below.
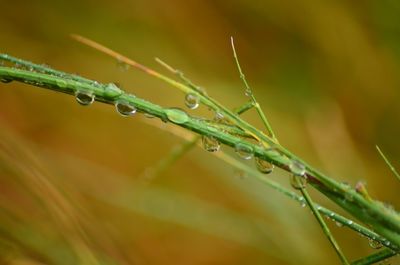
(244, 151)
(210, 144)
(374, 243)
(263, 166)
(176, 115)
(298, 182)
(84, 98)
(297, 168)
(192, 101)
(125, 108)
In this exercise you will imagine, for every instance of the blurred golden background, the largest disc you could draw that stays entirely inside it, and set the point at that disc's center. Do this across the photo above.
(71, 178)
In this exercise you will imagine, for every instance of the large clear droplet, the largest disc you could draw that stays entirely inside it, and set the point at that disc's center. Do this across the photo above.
(374, 244)
(177, 115)
(263, 166)
(297, 168)
(84, 98)
(192, 101)
(244, 151)
(210, 144)
(298, 182)
(125, 108)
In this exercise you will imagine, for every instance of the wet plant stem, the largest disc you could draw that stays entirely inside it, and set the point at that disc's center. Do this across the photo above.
(374, 258)
(322, 223)
(385, 223)
(391, 167)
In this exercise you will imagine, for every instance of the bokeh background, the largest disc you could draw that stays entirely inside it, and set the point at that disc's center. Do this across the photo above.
(74, 185)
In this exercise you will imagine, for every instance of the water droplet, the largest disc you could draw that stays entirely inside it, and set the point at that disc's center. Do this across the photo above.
(339, 224)
(263, 166)
(210, 144)
(374, 244)
(5, 80)
(244, 151)
(248, 92)
(122, 65)
(125, 108)
(84, 98)
(303, 203)
(177, 115)
(349, 222)
(297, 168)
(112, 90)
(192, 101)
(95, 83)
(298, 182)
(218, 116)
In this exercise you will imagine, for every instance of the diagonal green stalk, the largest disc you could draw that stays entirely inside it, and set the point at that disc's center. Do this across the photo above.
(304, 192)
(249, 92)
(247, 106)
(391, 167)
(376, 257)
(290, 194)
(321, 222)
(386, 223)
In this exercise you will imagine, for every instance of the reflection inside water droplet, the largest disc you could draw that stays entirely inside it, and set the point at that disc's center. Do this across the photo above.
(84, 98)
(244, 151)
(298, 182)
(297, 168)
(210, 144)
(374, 244)
(263, 166)
(192, 101)
(125, 108)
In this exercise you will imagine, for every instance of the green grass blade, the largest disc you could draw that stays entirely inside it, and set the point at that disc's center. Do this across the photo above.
(391, 167)
(376, 257)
